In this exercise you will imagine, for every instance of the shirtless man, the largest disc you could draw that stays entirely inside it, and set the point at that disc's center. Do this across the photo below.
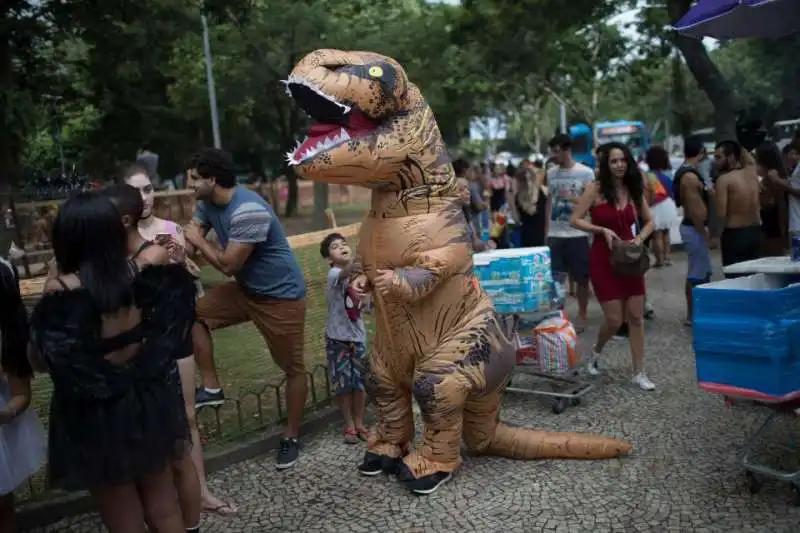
(691, 193)
(738, 203)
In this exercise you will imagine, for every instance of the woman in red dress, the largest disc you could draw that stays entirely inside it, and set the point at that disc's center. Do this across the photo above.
(615, 202)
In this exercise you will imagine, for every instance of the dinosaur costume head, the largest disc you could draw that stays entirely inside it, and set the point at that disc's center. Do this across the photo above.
(373, 127)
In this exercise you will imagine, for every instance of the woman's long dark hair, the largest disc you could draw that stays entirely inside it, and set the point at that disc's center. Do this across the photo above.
(89, 240)
(13, 324)
(657, 159)
(127, 200)
(632, 180)
(769, 157)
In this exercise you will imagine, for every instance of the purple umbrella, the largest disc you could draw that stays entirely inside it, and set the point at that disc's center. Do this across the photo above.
(731, 19)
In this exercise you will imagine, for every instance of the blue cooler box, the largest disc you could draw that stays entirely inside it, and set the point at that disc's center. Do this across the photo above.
(747, 333)
(518, 280)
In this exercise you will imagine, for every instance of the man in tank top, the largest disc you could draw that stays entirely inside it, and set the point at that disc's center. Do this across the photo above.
(693, 196)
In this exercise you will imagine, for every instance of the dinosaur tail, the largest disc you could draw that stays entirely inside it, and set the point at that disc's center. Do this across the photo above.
(523, 443)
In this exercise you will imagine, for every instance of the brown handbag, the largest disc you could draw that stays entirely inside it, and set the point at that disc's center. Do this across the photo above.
(629, 258)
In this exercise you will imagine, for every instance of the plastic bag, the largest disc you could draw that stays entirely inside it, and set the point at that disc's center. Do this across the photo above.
(556, 345)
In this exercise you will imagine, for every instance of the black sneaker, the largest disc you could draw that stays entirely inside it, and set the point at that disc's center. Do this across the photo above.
(424, 485)
(288, 453)
(374, 464)
(203, 397)
(622, 333)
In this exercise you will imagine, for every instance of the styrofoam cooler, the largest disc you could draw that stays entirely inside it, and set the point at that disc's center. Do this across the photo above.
(747, 333)
(518, 280)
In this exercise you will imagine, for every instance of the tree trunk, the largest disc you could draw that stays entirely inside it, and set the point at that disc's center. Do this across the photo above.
(680, 109)
(292, 195)
(9, 160)
(320, 219)
(708, 76)
(9, 145)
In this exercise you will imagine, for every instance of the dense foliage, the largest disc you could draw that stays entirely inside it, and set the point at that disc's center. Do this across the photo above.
(98, 79)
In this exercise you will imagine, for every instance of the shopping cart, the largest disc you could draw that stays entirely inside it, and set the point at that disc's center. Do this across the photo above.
(781, 408)
(745, 337)
(566, 388)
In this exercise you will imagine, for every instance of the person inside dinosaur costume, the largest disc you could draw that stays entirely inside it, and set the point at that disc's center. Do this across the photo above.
(438, 336)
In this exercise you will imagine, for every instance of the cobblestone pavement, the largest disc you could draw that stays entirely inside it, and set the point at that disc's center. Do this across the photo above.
(682, 476)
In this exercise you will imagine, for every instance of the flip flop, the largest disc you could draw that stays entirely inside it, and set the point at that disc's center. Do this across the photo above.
(363, 434)
(350, 436)
(224, 510)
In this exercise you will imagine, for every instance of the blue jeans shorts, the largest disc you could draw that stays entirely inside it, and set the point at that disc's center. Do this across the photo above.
(699, 256)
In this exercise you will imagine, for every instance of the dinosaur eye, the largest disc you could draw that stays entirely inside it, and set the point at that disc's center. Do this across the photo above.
(376, 71)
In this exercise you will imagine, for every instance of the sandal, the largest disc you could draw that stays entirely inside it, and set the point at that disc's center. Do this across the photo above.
(224, 510)
(350, 436)
(363, 434)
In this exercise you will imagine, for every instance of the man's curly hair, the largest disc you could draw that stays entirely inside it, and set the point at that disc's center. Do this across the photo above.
(213, 163)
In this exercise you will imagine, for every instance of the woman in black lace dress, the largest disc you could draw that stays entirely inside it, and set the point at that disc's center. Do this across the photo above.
(108, 330)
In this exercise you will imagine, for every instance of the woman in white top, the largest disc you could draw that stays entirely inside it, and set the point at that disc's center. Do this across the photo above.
(22, 443)
(170, 235)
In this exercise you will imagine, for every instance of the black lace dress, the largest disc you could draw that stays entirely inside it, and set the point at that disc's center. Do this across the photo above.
(112, 423)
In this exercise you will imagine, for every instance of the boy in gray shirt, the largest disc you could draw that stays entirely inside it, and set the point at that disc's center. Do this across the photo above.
(345, 338)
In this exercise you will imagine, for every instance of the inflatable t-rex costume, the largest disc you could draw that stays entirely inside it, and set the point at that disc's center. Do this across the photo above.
(438, 336)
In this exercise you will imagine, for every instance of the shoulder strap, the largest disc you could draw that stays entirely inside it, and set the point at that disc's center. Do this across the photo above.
(142, 247)
(121, 340)
(61, 282)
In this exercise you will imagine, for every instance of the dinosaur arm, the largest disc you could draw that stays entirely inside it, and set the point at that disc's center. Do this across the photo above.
(431, 268)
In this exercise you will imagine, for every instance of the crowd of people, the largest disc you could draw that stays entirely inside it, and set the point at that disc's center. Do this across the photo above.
(754, 198)
(120, 327)
(754, 195)
(124, 324)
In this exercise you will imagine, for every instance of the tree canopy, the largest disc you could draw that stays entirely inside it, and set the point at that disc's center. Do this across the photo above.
(100, 79)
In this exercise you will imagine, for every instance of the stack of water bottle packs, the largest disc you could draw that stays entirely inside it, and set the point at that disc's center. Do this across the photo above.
(746, 333)
(518, 280)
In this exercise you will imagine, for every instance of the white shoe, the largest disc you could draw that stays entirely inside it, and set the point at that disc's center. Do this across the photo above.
(594, 368)
(643, 381)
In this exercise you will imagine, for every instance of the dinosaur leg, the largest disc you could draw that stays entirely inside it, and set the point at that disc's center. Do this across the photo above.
(441, 400)
(442, 382)
(484, 434)
(391, 438)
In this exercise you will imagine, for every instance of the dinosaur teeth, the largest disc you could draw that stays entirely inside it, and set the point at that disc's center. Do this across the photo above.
(294, 80)
(323, 144)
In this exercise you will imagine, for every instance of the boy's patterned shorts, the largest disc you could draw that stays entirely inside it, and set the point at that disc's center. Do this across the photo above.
(347, 365)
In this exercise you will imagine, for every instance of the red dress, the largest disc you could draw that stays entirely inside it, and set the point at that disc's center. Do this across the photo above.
(607, 285)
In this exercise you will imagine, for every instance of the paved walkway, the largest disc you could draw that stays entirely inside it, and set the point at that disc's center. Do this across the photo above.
(682, 477)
